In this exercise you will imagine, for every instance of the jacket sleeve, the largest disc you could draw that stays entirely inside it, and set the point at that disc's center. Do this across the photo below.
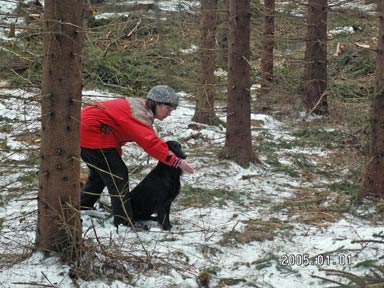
(146, 138)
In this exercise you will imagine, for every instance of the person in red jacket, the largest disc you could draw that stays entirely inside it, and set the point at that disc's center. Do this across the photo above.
(105, 127)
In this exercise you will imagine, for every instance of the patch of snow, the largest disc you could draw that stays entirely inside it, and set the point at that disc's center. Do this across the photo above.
(190, 50)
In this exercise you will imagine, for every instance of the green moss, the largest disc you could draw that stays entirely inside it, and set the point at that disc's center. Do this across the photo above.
(198, 197)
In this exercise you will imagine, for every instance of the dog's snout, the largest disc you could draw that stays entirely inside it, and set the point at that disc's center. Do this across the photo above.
(180, 153)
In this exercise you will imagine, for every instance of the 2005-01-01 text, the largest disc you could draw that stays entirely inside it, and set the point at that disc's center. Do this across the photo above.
(341, 259)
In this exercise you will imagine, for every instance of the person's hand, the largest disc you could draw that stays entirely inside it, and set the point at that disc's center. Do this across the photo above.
(186, 167)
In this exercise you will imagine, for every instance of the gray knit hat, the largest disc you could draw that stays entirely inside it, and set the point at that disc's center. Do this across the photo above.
(163, 94)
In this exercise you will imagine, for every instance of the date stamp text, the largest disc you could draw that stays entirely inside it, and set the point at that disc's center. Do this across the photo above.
(341, 259)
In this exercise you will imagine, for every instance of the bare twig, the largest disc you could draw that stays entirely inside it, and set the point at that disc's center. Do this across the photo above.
(121, 36)
(330, 280)
(37, 284)
(367, 241)
(49, 281)
(356, 279)
(316, 105)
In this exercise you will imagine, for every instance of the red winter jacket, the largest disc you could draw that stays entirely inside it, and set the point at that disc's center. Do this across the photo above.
(112, 123)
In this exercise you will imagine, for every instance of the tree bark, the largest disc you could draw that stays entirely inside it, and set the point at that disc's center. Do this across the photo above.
(267, 43)
(205, 100)
(315, 68)
(222, 38)
(238, 142)
(373, 180)
(58, 227)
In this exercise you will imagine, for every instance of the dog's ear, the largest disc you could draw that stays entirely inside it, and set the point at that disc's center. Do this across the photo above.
(175, 147)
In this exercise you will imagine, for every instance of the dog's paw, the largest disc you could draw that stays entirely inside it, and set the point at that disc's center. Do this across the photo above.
(167, 227)
(140, 227)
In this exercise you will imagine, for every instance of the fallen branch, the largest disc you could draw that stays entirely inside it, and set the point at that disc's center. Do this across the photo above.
(367, 241)
(316, 105)
(354, 278)
(121, 36)
(330, 280)
(34, 284)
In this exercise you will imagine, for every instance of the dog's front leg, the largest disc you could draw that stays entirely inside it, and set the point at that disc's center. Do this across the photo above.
(163, 217)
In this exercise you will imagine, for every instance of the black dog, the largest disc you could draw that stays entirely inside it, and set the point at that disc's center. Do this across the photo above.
(155, 193)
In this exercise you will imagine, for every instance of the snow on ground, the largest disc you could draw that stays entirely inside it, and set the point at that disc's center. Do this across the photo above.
(201, 237)
(5, 11)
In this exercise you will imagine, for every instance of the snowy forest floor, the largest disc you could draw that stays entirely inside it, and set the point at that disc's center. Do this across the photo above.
(291, 220)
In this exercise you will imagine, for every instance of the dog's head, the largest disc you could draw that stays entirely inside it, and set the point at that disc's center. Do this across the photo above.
(175, 147)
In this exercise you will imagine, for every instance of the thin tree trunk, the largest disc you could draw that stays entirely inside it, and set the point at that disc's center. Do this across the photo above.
(58, 227)
(315, 68)
(222, 38)
(373, 180)
(205, 100)
(238, 142)
(267, 47)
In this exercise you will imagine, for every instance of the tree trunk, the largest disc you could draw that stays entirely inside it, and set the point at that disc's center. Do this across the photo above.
(373, 180)
(238, 141)
(315, 67)
(222, 38)
(267, 42)
(58, 227)
(205, 100)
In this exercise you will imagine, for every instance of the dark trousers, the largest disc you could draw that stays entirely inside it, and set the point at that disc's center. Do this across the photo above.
(107, 169)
